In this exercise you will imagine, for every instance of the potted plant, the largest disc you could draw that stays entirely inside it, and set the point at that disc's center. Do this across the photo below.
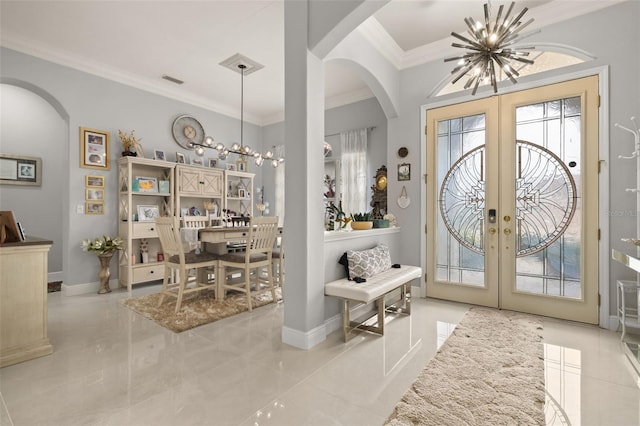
(130, 144)
(361, 221)
(104, 247)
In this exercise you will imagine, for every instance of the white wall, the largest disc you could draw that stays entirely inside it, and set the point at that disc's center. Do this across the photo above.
(31, 126)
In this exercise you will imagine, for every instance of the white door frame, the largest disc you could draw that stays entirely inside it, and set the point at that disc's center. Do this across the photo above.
(544, 79)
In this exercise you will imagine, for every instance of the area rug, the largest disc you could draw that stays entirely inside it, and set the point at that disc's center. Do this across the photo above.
(196, 310)
(490, 371)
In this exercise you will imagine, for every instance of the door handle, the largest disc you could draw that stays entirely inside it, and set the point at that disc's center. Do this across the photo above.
(507, 218)
(492, 230)
(507, 231)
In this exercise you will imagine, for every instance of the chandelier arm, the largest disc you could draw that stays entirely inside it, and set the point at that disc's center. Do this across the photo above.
(506, 17)
(487, 18)
(466, 69)
(455, 58)
(496, 25)
(472, 29)
(466, 46)
(514, 34)
(523, 60)
(507, 69)
(494, 82)
(515, 27)
(471, 42)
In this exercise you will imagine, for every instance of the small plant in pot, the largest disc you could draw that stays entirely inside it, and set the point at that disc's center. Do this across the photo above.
(361, 221)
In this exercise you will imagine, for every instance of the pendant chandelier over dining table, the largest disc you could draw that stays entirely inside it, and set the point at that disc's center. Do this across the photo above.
(490, 48)
(238, 148)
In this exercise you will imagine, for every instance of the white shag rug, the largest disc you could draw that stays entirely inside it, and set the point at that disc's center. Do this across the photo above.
(490, 371)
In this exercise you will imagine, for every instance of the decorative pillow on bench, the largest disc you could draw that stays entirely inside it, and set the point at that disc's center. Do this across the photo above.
(366, 263)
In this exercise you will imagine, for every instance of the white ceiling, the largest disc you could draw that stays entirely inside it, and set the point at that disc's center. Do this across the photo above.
(136, 42)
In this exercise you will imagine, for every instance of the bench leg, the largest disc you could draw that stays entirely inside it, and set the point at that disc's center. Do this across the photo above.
(345, 320)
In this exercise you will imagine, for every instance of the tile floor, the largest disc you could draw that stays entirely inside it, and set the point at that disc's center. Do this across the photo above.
(113, 367)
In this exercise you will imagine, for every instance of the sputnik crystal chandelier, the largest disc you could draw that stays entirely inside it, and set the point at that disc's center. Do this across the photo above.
(490, 48)
(241, 149)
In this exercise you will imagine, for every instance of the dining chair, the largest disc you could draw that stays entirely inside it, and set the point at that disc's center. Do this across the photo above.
(195, 221)
(177, 263)
(258, 255)
(189, 232)
(277, 262)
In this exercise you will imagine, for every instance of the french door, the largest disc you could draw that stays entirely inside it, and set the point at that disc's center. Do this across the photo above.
(512, 207)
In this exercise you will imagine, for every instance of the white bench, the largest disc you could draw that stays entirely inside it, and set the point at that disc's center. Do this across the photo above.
(374, 289)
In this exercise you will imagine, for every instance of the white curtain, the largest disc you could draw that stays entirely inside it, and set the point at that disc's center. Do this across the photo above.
(279, 207)
(354, 171)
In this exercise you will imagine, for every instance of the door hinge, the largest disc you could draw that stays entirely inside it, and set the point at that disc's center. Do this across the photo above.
(599, 299)
(598, 234)
(600, 166)
(425, 130)
(425, 178)
(425, 278)
(425, 229)
(598, 101)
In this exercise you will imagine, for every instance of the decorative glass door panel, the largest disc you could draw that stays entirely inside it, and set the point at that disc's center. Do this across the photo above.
(547, 220)
(460, 254)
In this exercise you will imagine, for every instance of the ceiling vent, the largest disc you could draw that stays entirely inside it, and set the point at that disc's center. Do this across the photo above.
(238, 59)
(172, 79)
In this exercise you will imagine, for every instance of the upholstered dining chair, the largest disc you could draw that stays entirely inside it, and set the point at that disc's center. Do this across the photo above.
(261, 237)
(177, 263)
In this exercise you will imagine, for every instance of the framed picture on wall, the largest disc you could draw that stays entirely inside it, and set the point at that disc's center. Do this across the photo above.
(404, 171)
(94, 208)
(94, 149)
(20, 170)
(94, 181)
(94, 194)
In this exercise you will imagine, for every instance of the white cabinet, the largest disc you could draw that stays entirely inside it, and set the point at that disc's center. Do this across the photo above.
(145, 190)
(197, 188)
(239, 193)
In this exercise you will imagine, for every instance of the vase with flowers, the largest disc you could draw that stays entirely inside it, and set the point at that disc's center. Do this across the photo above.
(104, 248)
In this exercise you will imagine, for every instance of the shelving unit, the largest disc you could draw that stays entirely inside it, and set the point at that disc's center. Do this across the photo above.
(135, 233)
(239, 192)
(628, 292)
(196, 186)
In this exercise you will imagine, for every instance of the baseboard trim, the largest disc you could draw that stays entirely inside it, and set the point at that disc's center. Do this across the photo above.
(614, 324)
(79, 289)
(303, 340)
(55, 277)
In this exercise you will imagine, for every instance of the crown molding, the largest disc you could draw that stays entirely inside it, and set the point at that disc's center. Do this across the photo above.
(60, 57)
(348, 98)
(374, 32)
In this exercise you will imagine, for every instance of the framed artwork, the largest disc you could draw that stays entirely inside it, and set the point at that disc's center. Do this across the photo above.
(180, 158)
(231, 167)
(94, 181)
(241, 166)
(146, 184)
(242, 193)
(197, 161)
(404, 171)
(213, 162)
(94, 149)
(20, 170)
(94, 194)
(94, 208)
(148, 213)
(158, 154)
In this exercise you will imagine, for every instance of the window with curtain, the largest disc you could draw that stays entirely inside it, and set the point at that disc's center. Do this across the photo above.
(279, 153)
(354, 170)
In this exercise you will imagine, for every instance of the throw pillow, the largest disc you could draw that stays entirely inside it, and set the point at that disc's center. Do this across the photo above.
(367, 263)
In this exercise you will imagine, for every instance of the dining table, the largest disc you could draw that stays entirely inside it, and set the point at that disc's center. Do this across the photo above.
(220, 239)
